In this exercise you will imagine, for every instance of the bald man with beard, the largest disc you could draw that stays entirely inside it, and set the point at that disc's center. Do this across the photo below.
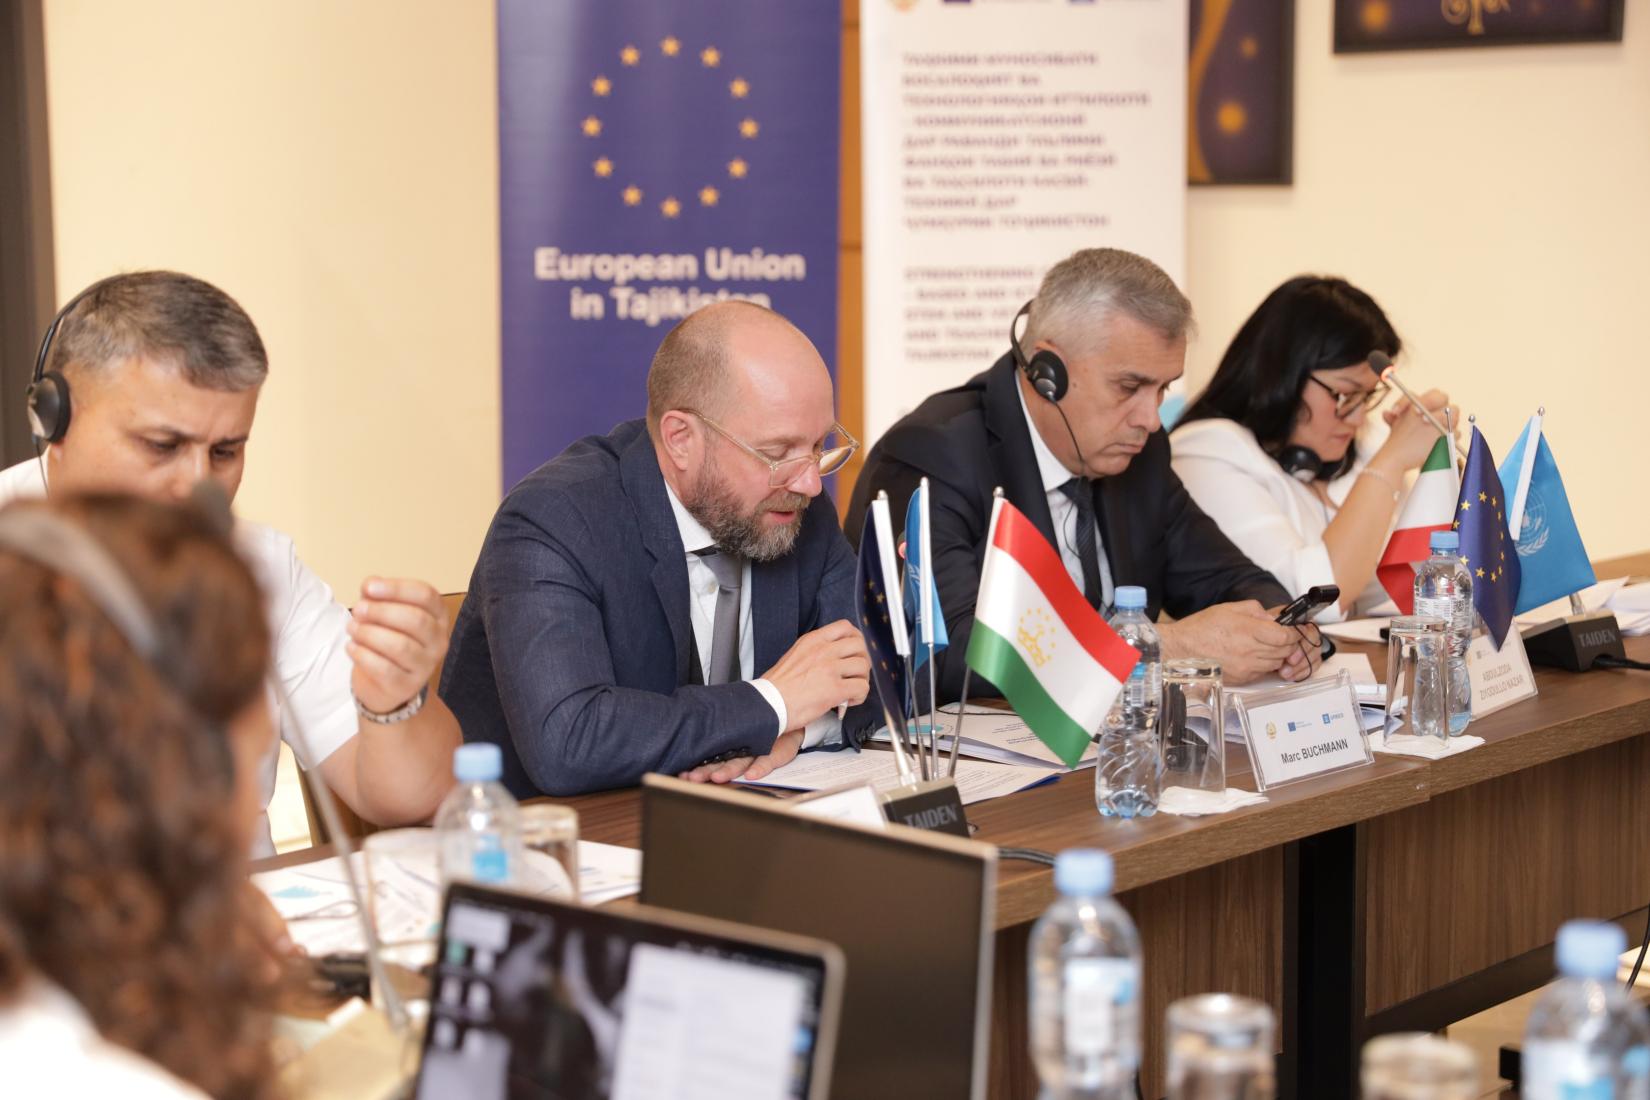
(675, 596)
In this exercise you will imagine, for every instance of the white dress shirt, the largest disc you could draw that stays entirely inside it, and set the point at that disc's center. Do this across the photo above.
(1063, 511)
(308, 628)
(1276, 521)
(50, 1049)
(702, 588)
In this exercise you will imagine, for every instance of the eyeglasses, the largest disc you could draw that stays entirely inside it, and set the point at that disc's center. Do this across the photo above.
(838, 448)
(1349, 401)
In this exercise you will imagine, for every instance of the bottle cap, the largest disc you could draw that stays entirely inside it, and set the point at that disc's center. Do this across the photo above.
(1589, 949)
(482, 762)
(1083, 872)
(1130, 597)
(1445, 540)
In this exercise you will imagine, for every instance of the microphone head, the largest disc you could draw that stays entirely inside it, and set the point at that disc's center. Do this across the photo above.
(1380, 362)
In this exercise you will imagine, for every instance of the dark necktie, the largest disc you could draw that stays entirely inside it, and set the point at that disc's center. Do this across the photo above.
(724, 631)
(1081, 493)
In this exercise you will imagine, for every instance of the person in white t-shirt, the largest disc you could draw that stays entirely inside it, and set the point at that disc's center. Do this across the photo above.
(131, 696)
(1270, 448)
(149, 385)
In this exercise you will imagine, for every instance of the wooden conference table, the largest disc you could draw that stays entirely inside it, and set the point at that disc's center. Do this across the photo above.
(1403, 895)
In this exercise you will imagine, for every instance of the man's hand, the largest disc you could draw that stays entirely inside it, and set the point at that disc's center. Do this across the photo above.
(749, 767)
(824, 669)
(398, 636)
(1245, 640)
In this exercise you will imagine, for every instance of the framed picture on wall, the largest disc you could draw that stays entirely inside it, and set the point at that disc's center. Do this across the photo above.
(1241, 92)
(1364, 26)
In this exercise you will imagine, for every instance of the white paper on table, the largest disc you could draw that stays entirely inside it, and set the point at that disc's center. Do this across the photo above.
(315, 901)
(1427, 748)
(1357, 630)
(997, 735)
(1191, 802)
(1630, 603)
(977, 780)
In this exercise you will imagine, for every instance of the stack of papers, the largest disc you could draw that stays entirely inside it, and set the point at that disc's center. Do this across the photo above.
(977, 780)
(1355, 665)
(997, 735)
(321, 917)
(1630, 603)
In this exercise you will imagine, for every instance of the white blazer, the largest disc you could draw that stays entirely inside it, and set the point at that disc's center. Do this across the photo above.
(1274, 519)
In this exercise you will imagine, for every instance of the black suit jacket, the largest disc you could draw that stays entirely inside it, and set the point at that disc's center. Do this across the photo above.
(971, 439)
(572, 650)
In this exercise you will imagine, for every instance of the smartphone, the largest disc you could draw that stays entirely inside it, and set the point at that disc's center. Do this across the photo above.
(1304, 606)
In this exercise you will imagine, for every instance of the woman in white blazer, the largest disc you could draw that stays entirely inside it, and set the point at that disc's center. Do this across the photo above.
(1278, 451)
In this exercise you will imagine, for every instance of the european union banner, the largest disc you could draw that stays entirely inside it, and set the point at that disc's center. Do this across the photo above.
(1550, 553)
(875, 622)
(1486, 550)
(654, 156)
(928, 623)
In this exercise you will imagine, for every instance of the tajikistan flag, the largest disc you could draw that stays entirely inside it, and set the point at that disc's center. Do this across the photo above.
(1430, 507)
(1037, 639)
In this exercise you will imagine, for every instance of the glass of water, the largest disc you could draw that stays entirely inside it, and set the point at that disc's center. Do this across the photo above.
(1221, 1048)
(1417, 703)
(1414, 1065)
(1191, 719)
(550, 850)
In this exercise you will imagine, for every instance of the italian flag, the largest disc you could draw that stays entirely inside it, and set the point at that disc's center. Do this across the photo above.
(1037, 639)
(1430, 507)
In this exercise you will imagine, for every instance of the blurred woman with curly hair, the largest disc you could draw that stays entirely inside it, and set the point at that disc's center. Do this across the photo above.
(128, 743)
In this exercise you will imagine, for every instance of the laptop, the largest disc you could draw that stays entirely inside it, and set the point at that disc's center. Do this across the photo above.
(914, 914)
(533, 999)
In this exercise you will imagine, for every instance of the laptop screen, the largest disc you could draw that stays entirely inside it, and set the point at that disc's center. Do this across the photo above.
(537, 999)
(913, 913)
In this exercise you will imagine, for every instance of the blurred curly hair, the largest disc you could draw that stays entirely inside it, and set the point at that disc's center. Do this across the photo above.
(122, 863)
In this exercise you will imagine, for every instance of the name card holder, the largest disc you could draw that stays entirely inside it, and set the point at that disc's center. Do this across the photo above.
(935, 805)
(1501, 678)
(1301, 731)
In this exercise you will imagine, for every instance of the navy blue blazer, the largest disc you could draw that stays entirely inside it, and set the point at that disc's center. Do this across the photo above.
(571, 651)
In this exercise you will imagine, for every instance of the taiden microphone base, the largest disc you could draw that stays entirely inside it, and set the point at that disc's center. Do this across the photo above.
(935, 805)
(1575, 641)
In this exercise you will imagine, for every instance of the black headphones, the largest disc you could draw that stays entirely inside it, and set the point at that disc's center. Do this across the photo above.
(1303, 464)
(47, 398)
(1046, 371)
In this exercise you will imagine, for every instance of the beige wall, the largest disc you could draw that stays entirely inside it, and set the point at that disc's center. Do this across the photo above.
(1496, 202)
(334, 165)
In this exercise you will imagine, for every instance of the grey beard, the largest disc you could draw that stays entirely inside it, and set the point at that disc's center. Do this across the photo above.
(744, 533)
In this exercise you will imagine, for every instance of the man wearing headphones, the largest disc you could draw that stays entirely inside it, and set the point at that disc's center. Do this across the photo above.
(148, 383)
(1067, 424)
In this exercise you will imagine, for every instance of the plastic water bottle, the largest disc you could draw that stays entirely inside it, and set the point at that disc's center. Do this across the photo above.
(1085, 986)
(479, 823)
(1443, 588)
(1128, 777)
(1586, 1039)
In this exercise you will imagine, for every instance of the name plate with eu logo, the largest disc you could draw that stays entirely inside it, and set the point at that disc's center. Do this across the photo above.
(1302, 731)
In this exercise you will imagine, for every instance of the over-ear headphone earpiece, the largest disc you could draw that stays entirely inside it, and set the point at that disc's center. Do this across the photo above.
(46, 401)
(1046, 371)
(1303, 463)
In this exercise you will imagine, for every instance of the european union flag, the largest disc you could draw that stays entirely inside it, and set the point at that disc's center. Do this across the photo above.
(1550, 553)
(875, 622)
(1487, 550)
(929, 621)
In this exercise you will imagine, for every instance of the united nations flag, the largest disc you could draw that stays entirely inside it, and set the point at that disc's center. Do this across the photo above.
(1550, 553)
